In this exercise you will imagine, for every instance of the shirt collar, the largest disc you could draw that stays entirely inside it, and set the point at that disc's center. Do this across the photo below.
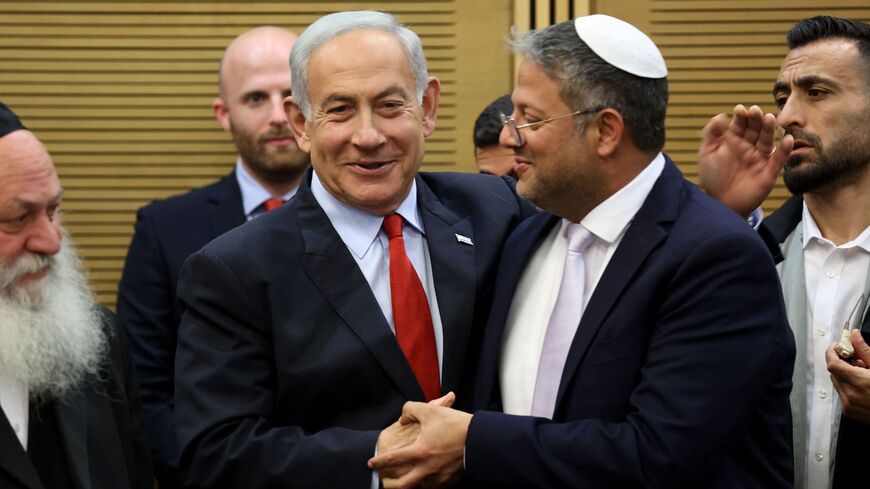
(358, 228)
(609, 219)
(811, 232)
(253, 194)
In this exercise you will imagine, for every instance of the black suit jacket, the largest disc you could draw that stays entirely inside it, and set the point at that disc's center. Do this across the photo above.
(100, 427)
(853, 437)
(678, 375)
(286, 366)
(166, 233)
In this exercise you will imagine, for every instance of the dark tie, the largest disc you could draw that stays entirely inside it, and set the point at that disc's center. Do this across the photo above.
(272, 203)
(411, 315)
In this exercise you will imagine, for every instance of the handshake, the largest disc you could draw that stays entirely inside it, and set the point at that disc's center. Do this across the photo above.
(425, 447)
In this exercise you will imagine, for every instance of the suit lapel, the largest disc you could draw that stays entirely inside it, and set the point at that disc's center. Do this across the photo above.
(225, 210)
(72, 417)
(646, 231)
(13, 458)
(454, 272)
(332, 269)
(865, 324)
(793, 280)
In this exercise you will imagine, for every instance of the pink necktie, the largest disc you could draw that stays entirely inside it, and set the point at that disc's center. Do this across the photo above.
(563, 322)
(411, 316)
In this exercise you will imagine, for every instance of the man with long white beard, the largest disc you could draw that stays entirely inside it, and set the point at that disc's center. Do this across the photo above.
(70, 409)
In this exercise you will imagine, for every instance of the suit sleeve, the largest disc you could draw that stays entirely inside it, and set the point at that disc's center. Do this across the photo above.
(718, 343)
(128, 412)
(228, 430)
(145, 305)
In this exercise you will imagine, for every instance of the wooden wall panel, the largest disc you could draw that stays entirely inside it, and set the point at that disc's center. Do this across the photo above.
(121, 94)
(721, 53)
(121, 91)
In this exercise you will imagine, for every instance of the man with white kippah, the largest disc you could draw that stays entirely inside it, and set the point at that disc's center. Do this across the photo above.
(644, 343)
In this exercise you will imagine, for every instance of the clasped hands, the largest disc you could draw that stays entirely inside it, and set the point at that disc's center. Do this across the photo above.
(425, 447)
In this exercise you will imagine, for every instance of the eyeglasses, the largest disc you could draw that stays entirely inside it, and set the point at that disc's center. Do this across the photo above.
(511, 122)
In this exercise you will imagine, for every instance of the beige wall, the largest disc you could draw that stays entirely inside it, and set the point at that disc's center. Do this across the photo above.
(121, 91)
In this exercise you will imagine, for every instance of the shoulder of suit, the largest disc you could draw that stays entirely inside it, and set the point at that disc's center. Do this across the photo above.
(446, 183)
(700, 218)
(191, 200)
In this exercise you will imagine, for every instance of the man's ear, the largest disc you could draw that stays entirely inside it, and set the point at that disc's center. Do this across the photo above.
(431, 97)
(297, 123)
(610, 130)
(221, 112)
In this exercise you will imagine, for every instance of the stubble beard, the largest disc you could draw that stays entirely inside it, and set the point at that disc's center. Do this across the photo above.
(828, 167)
(273, 164)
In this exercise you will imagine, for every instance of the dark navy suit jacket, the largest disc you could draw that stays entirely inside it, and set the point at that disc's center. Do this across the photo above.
(166, 233)
(287, 368)
(99, 428)
(680, 370)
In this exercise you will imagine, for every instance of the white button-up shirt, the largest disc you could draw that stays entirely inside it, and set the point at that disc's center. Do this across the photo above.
(835, 280)
(538, 287)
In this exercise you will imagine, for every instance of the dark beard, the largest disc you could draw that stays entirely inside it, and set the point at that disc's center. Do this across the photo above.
(269, 165)
(828, 167)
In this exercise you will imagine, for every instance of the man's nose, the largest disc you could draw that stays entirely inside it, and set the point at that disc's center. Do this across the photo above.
(45, 236)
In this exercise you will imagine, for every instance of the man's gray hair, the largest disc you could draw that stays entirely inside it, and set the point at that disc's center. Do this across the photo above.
(331, 26)
(588, 81)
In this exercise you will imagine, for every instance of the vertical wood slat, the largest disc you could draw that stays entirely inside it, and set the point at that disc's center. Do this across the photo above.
(542, 13)
(560, 10)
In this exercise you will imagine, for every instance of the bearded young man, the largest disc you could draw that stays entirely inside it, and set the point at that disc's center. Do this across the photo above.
(70, 408)
(821, 234)
(253, 82)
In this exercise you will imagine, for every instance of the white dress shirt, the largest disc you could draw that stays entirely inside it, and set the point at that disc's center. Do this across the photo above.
(370, 247)
(538, 287)
(835, 279)
(253, 194)
(15, 403)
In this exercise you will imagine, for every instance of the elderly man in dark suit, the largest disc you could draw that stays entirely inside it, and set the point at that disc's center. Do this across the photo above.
(70, 410)
(254, 79)
(305, 330)
(644, 341)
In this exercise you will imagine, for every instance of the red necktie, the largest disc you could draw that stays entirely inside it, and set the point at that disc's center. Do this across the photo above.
(272, 203)
(411, 315)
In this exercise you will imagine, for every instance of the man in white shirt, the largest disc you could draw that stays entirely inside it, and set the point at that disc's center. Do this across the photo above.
(636, 337)
(253, 80)
(70, 411)
(822, 232)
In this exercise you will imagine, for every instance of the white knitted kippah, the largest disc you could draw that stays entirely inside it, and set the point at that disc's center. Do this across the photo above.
(621, 45)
